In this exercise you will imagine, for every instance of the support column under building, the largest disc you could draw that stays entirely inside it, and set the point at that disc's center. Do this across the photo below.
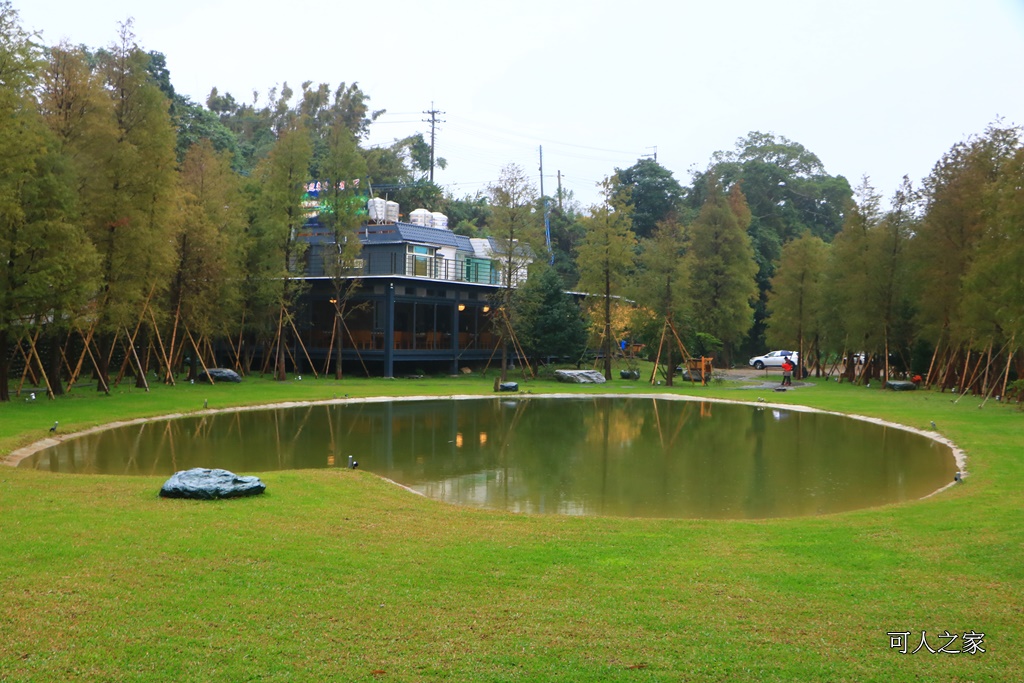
(389, 331)
(455, 336)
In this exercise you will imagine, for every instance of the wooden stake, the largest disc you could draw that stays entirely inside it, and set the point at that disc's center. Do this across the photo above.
(25, 370)
(355, 348)
(1009, 361)
(169, 377)
(303, 347)
(935, 355)
(238, 353)
(657, 358)
(142, 373)
(199, 356)
(81, 358)
(99, 375)
(173, 349)
(330, 345)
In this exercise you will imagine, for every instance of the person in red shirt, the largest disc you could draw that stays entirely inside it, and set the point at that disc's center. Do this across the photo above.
(787, 372)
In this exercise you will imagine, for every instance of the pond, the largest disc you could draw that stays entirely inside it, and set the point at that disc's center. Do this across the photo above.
(631, 457)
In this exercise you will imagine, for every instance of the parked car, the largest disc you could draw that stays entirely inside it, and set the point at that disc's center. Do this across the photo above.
(774, 359)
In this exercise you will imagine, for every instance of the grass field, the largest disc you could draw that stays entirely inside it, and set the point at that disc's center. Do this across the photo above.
(336, 575)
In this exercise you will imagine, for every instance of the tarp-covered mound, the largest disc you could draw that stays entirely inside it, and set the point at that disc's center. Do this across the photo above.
(579, 376)
(207, 484)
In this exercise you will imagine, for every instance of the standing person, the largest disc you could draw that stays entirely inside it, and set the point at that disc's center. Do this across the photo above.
(787, 372)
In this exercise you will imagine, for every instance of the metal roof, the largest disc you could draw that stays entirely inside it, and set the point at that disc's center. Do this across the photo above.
(398, 233)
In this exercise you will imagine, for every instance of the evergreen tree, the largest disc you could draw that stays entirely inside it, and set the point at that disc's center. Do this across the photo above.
(548, 320)
(342, 212)
(122, 147)
(789, 192)
(956, 201)
(890, 276)
(516, 231)
(205, 292)
(653, 195)
(722, 268)
(795, 300)
(662, 284)
(47, 265)
(276, 252)
(850, 303)
(606, 258)
(993, 288)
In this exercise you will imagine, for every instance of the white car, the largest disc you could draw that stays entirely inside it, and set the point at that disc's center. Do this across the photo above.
(775, 359)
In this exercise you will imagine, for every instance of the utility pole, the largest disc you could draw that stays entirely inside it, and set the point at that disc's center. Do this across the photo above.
(547, 219)
(655, 155)
(560, 191)
(433, 121)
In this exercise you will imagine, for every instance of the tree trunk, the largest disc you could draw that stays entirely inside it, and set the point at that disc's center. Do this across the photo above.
(338, 344)
(102, 363)
(607, 324)
(53, 363)
(504, 359)
(140, 367)
(5, 365)
(279, 373)
(669, 364)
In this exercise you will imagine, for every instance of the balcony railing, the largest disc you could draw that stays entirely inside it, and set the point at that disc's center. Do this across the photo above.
(408, 265)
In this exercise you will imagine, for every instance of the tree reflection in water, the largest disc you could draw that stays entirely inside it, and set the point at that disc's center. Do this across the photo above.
(596, 455)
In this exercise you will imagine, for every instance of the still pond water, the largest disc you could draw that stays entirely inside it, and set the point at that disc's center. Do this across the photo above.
(632, 457)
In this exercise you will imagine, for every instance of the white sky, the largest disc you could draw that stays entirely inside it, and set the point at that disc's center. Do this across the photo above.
(875, 87)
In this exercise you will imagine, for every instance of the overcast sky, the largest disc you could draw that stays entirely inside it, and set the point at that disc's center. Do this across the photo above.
(874, 87)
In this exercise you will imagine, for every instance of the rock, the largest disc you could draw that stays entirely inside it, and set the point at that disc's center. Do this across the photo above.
(219, 375)
(897, 385)
(580, 376)
(204, 484)
(629, 374)
(508, 386)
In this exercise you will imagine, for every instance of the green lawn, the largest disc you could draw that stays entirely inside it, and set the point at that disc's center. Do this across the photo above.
(336, 575)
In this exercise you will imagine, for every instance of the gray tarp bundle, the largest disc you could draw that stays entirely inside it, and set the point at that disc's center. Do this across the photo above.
(207, 484)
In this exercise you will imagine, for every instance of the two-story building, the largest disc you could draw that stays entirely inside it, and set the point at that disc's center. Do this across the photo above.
(420, 297)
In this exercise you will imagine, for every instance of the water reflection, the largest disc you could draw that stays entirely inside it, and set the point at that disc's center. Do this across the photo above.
(623, 456)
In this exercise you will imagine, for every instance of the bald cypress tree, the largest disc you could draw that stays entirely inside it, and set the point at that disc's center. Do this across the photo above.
(113, 123)
(341, 171)
(795, 299)
(954, 222)
(275, 251)
(606, 260)
(516, 230)
(46, 263)
(662, 283)
(205, 288)
(723, 269)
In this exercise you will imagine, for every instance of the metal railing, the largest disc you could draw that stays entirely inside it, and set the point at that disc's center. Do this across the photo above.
(318, 263)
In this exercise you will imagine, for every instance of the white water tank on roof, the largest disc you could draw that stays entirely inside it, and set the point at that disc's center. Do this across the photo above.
(439, 220)
(391, 211)
(376, 209)
(420, 217)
